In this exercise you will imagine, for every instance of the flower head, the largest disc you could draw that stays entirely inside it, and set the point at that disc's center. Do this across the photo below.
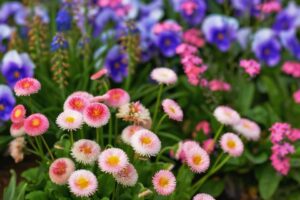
(96, 115)
(60, 170)
(112, 160)
(164, 182)
(209, 145)
(128, 176)
(128, 132)
(145, 143)
(197, 159)
(172, 109)
(76, 102)
(36, 124)
(83, 183)
(69, 120)
(117, 97)
(17, 130)
(7, 102)
(226, 115)
(164, 75)
(18, 114)
(232, 144)
(85, 151)
(27, 86)
(251, 67)
(63, 20)
(203, 196)
(248, 129)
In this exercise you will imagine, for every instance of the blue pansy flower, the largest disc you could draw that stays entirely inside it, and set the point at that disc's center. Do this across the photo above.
(63, 20)
(167, 42)
(7, 102)
(16, 66)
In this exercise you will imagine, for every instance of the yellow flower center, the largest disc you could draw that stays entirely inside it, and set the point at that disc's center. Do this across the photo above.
(2, 107)
(18, 113)
(78, 104)
(247, 125)
(86, 149)
(172, 109)
(70, 119)
(96, 112)
(35, 122)
(231, 144)
(82, 182)
(163, 181)
(113, 160)
(197, 159)
(146, 140)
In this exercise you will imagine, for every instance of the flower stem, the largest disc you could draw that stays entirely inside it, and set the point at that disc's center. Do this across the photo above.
(71, 138)
(47, 147)
(161, 87)
(116, 129)
(40, 148)
(218, 132)
(98, 135)
(159, 122)
(162, 151)
(110, 130)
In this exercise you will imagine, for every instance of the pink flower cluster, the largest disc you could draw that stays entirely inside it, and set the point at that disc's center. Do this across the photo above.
(281, 136)
(118, 6)
(218, 85)
(166, 26)
(194, 37)
(251, 67)
(291, 68)
(270, 7)
(296, 96)
(203, 126)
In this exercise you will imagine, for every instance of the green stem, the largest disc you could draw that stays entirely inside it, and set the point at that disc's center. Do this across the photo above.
(161, 87)
(218, 132)
(33, 146)
(47, 147)
(218, 159)
(98, 135)
(81, 133)
(159, 122)
(71, 138)
(39, 146)
(162, 151)
(116, 129)
(110, 130)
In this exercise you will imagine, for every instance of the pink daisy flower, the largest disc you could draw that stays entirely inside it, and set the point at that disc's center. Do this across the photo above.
(183, 148)
(203, 196)
(112, 160)
(145, 143)
(128, 132)
(226, 115)
(164, 75)
(232, 144)
(60, 170)
(17, 130)
(128, 176)
(27, 86)
(96, 115)
(248, 129)
(36, 124)
(99, 74)
(83, 183)
(197, 159)
(85, 151)
(82, 94)
(172, 109)
(18, 114)
(69, 120)
(76, 102)
(164, 182)
(117, 97)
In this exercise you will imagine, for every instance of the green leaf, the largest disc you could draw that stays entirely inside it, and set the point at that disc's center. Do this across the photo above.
(36, 195)
(256, 159)
(21, 191)
(184, 180)
(213, 187)
(268, 182)
(9, 192)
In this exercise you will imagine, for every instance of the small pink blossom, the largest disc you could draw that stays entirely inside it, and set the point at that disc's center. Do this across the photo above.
(291, 68)
(296, 96)
(251, 67)
(218, 85)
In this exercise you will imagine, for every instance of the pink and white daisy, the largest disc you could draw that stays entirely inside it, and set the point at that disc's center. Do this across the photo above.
(183, 148)
(197, 159)
(69, 120)
(113, 160)
(128, 132)
(27, 86)
(85, 151)
(203, 196)
(99, 74)
(232, 144)
(164, 75)
(36, 124)
(248, 129)
(83, 183)
(76, 102)
(172, 109)
(17, 130)
(226, 115)
(18, 114)
(145, 143)
(82, 94)
(117, 97)
(96, 115)
(164, 182)
(60, 170)
(128, 176)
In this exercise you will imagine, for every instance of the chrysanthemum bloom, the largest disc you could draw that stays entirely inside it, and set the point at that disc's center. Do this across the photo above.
(128, 176)
(17, 115)
(145, 143)
(164, 75)
(83, 183)
(60, 170)
(232, 144)
(76, 102)
(27, 86)
(203, 196)
(17, 130)
(7, 102)
(85, 151)
(70, 120)
(248, 129)
(164, 182)
(96, 115)
(36, 124)
(99, 74)
(112, 160)
(197, 159)
(172, 109)
(117, 97)
(128, 132)
(134, 112)
(226, 115)
(16, 148)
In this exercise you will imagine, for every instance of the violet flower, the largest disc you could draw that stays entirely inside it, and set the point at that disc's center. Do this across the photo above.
(7, 102)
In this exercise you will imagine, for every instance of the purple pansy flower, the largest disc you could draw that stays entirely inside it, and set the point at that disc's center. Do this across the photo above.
(245, 6)
(7, 102)
(266, 46)
(116, 63)
(290, 42)
(16, 66)
(105, 17)
(220, 30)
(192, 11)
(9, 9)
